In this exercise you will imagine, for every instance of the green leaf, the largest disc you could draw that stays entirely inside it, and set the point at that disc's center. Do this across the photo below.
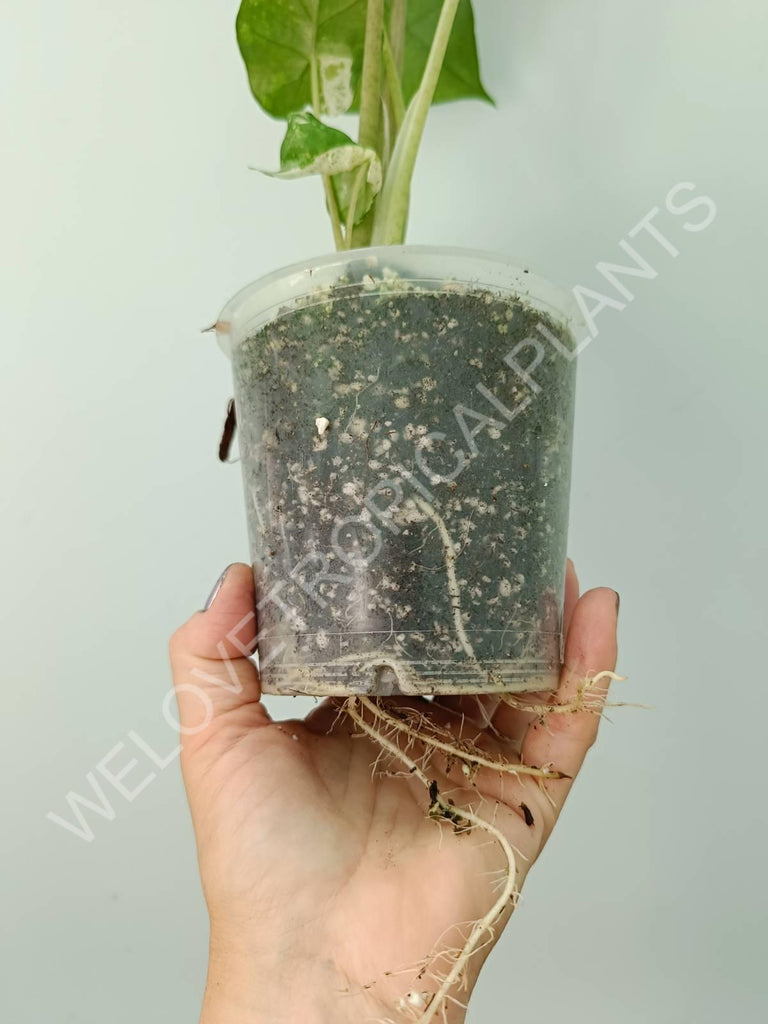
(311, 147)
(460, 74)
(287, 43)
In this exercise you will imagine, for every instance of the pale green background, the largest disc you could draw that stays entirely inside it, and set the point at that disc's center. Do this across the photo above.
(129, 217)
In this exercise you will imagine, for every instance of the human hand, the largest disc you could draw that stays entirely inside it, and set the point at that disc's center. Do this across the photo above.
(328, 886)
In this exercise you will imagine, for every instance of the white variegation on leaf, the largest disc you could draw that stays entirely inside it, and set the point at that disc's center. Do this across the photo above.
(311, 147)
(337, 91)
(387, 61)
(290, 46)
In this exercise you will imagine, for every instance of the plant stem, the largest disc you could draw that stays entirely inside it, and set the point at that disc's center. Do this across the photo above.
(397, 19)
(353, 198)
(394, 52)
(392, 205)
(370, 89)
(369, 134)
(395, 103)
(333, 210)
(330, 195)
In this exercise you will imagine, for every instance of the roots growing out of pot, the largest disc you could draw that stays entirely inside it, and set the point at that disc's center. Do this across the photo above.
(410, 739)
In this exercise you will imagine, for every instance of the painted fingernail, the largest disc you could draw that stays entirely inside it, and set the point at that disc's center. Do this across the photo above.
(216, 588)
(618, 602)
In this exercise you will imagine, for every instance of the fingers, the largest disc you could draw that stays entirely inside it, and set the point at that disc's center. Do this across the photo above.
(571, 595)
(563, 739)
(477, 708)
(211, 670)
(511, 722)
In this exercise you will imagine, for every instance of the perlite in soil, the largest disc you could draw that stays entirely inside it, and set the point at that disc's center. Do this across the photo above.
(406, 455)
(406, 483)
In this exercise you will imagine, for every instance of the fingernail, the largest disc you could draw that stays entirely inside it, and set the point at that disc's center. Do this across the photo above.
(618, 602)
(216, 588)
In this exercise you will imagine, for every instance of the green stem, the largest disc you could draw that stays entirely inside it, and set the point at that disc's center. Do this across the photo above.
(330, 195)
(397, 19)
(353, 198)
(333, 210)
(370, 89)
(392, 206)
(394, 89)
(394, 53)
(369, 134)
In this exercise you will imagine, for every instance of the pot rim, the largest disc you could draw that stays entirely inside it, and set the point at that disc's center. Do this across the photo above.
(252, 305)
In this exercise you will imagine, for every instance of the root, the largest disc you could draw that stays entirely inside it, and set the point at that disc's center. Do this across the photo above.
(412, 738)
(585, 699)
(454, 590)
(429, 1005)
(462, 750)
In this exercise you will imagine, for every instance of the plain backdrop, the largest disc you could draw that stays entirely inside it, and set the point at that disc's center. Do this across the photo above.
(129, 216)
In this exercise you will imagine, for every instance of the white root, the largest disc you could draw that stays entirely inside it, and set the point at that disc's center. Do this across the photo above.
(584, 700)
(386, 730)
(451, 749)
(484, 927)
(454, 591)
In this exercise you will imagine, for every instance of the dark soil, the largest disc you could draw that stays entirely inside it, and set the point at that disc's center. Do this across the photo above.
(464, 594)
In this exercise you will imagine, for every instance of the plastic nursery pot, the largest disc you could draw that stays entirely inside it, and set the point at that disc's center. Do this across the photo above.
(405, 420)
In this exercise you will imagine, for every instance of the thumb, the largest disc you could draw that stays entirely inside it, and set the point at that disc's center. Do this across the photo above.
(212, 673)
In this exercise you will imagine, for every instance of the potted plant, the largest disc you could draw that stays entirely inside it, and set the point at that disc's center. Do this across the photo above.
(404, 412)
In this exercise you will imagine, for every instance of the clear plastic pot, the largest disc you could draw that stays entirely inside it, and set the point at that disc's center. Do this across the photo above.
(405, 421)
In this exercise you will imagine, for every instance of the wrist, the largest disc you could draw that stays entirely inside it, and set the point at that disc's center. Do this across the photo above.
(243, 989)
(233, 998)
